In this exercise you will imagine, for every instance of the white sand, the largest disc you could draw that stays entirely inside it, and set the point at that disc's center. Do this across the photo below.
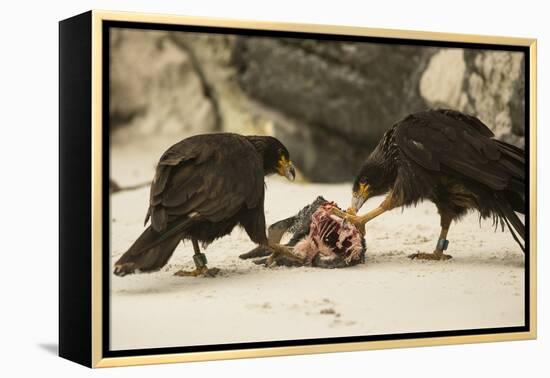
(482, 286)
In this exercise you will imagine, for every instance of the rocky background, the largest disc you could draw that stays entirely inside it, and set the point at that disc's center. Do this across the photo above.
(329, 102)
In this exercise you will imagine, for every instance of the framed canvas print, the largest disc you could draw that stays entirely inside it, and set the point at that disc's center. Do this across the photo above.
(235, 189)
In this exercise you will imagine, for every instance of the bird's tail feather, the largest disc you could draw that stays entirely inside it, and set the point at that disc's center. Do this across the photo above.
(513, 222)
(512, 199)
(151, 251)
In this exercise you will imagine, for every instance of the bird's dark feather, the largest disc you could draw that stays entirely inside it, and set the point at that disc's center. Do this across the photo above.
(454, 143)
(453, 160)
(206, 175)
(204, 186)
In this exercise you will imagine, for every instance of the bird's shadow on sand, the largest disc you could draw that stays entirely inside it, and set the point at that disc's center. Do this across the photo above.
(512, 261)
(168, 283)
(51, 348)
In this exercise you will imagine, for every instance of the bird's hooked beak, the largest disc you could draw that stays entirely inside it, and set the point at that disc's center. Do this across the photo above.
(359, 197)
(286, 168)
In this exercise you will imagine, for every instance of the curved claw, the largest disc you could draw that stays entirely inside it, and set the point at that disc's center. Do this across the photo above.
(339, 213)
(357, 221)
(259, 251)
(350, 217)
(261, 261)
(281, 256)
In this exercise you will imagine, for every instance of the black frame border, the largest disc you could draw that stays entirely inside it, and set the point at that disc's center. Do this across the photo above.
(75, 194)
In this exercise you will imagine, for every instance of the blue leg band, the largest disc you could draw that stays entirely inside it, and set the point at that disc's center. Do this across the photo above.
(200, 260)
(442, 244)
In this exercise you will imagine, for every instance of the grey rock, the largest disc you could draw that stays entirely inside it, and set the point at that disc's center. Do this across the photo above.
(155, 89)
(487, 84)
(338, 98)
(494, 84)
(329, 102)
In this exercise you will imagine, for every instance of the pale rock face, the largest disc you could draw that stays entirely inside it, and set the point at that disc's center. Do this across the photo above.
(487, 84)
(441, 83)
(492, 86)
(154, 88)
(157, 90)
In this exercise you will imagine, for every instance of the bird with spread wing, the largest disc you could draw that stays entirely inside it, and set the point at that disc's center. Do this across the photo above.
(451, 159)
(204, 186)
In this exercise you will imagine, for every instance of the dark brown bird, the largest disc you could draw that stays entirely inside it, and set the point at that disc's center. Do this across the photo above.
(451, 159)
(204, 186)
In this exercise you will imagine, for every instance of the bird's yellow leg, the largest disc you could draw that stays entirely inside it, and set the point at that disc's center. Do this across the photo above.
(359, 221)
(200, 263)
(442, 243)
(372, 214)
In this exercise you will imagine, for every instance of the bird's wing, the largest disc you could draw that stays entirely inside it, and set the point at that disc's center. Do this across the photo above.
(207, 176)
(452, 142)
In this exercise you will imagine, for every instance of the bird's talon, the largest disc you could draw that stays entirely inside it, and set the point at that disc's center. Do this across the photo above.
(258, 252)
(356, 221)
(281, 256)
(212, 272)
(202, 271)
(339, 213)
(436, 256)
(260, 261)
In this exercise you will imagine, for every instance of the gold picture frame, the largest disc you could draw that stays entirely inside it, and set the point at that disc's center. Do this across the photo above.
(92, 328)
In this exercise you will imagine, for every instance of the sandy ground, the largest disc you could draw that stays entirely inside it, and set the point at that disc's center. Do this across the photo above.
(482, 286)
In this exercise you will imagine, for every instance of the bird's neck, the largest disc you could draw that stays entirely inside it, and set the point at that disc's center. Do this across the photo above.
(261, 145)
(384, 169)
